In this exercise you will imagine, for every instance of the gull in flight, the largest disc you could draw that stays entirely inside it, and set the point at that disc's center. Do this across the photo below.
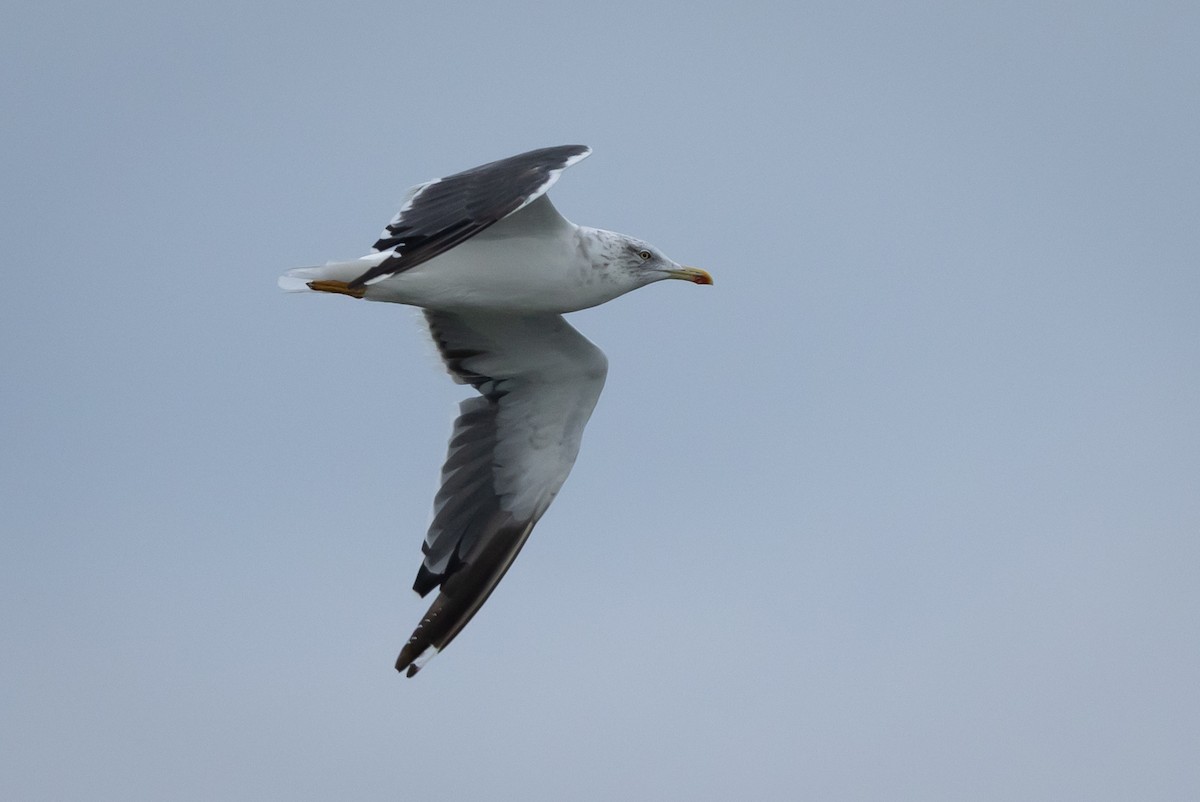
(494, 266)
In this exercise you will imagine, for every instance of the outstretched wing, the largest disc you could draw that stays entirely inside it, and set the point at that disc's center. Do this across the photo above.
(511, 449)
(445, 212)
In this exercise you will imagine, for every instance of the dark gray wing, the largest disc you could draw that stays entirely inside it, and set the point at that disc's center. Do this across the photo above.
(510, 452)
(445, 212)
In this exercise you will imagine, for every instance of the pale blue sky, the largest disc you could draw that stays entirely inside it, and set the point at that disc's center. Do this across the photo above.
(905, 507)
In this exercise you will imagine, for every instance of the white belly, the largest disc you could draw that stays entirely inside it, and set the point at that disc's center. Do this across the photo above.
(520, 274)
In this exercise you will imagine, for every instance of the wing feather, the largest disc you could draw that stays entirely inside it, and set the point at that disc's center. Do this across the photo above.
(445, 212)
(510, 452)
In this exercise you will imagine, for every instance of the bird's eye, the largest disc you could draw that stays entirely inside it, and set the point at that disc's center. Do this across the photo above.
(644, 254)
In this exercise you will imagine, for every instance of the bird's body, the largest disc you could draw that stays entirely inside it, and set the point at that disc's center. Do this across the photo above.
(517, 280)
(494, 265)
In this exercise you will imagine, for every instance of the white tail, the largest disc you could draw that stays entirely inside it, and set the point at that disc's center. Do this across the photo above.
(296, 279)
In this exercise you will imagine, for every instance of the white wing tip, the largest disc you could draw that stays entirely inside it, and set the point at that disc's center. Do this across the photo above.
(423, 658)
(587, 151)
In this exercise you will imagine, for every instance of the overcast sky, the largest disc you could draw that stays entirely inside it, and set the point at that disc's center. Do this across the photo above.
(905, 507)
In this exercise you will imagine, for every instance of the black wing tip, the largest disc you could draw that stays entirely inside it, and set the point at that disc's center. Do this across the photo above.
(564, 151)
(404, 664)
(575, 150)
(419, 650)
(550, 159)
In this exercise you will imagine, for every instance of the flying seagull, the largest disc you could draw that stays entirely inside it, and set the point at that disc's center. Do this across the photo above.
(494, 266)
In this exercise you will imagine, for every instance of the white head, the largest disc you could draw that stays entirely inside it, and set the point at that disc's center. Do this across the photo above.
(639, 263)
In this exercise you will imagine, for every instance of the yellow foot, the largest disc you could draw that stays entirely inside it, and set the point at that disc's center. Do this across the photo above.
(338, 287)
